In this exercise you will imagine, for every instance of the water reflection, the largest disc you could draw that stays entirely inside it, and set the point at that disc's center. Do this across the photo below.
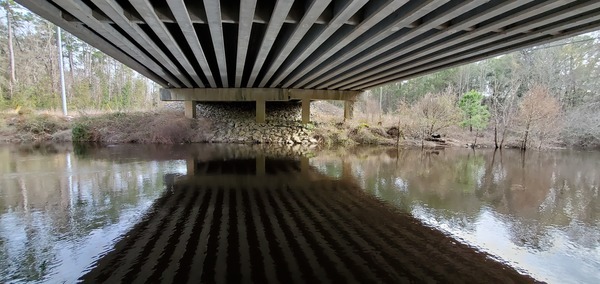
(538, 211)
(277, 220)
(58, 211)
(218, 213)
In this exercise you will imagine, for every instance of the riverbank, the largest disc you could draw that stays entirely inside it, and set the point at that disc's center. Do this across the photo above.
(221, 123)
(170, 127)
(28, 126)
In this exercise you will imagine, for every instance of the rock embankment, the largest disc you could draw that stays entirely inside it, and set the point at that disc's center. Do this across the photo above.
(235, 123)
(281, 132)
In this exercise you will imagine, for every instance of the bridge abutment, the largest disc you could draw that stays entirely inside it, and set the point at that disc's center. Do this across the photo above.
(259, 95)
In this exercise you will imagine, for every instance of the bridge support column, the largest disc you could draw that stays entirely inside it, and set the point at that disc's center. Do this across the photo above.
(348, 110)
(190, 109)
(261, 111)
(305, 110)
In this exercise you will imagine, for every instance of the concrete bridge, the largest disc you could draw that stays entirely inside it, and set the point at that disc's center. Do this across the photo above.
(281, 50)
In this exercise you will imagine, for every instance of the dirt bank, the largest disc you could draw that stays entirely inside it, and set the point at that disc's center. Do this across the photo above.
(216, 123)
(17, 127)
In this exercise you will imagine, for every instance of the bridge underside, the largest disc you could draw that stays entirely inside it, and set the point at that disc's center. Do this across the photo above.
(318, 44)
(345, 45)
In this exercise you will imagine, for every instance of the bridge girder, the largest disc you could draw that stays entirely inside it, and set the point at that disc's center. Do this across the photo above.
(311, 44)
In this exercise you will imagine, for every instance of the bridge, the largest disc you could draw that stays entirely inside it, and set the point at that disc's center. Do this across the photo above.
(282, 50)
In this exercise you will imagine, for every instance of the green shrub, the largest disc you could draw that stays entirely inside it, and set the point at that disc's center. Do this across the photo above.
(81, 132)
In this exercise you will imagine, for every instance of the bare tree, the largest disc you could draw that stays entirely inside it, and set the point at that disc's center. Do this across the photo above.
(11, 53)
(432, 113)
(538, 110)
(503, 110)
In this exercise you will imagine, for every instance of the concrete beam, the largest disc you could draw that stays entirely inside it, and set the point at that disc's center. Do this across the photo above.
(344, 13)
(247, 9)
(180, 12)
(282, 8)
(382, 47)
(397, 58)
(261, 111)
(305, 110)
(84, 13)
(190, 109)
(373, 19)
(312, 44)
(588, 24)
(378, 34)
(120, 17)
(315, 9)
(253, 94)
(406, 63)
(146, 10)
(213, 14)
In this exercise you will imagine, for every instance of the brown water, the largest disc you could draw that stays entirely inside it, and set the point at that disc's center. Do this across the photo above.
(235, 213)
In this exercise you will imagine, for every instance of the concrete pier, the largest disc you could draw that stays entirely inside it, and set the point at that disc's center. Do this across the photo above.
(190, 109)
(261, 111)
(305, 110)
(259, 95)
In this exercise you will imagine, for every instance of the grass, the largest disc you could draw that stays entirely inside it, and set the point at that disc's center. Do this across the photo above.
(171, 127)
(22, 126)
(139, 127)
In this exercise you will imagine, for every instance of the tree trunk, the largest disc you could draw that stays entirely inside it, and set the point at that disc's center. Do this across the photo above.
(496, 136)
(470, 124)
(11, 53)
(503, 137)
(71, 72)
(524, 145)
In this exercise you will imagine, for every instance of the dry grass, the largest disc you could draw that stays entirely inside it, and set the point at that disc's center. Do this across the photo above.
(139, 127)
(353, 132)
(22, 126)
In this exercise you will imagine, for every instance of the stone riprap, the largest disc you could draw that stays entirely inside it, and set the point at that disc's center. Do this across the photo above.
(235, 123)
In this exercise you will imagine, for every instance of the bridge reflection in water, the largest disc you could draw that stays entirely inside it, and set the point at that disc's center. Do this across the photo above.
(279, 221)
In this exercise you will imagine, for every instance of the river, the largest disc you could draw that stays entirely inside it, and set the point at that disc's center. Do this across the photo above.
(226, 213)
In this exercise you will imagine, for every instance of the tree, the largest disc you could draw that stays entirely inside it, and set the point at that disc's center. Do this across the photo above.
(582, 126)
(505, 83)
(432, 113)
(475, 114)
(7, 5)
(538, 113)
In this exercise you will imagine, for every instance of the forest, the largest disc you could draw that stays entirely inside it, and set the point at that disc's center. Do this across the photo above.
(548, 92)
(544, 93)
(29, 71)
